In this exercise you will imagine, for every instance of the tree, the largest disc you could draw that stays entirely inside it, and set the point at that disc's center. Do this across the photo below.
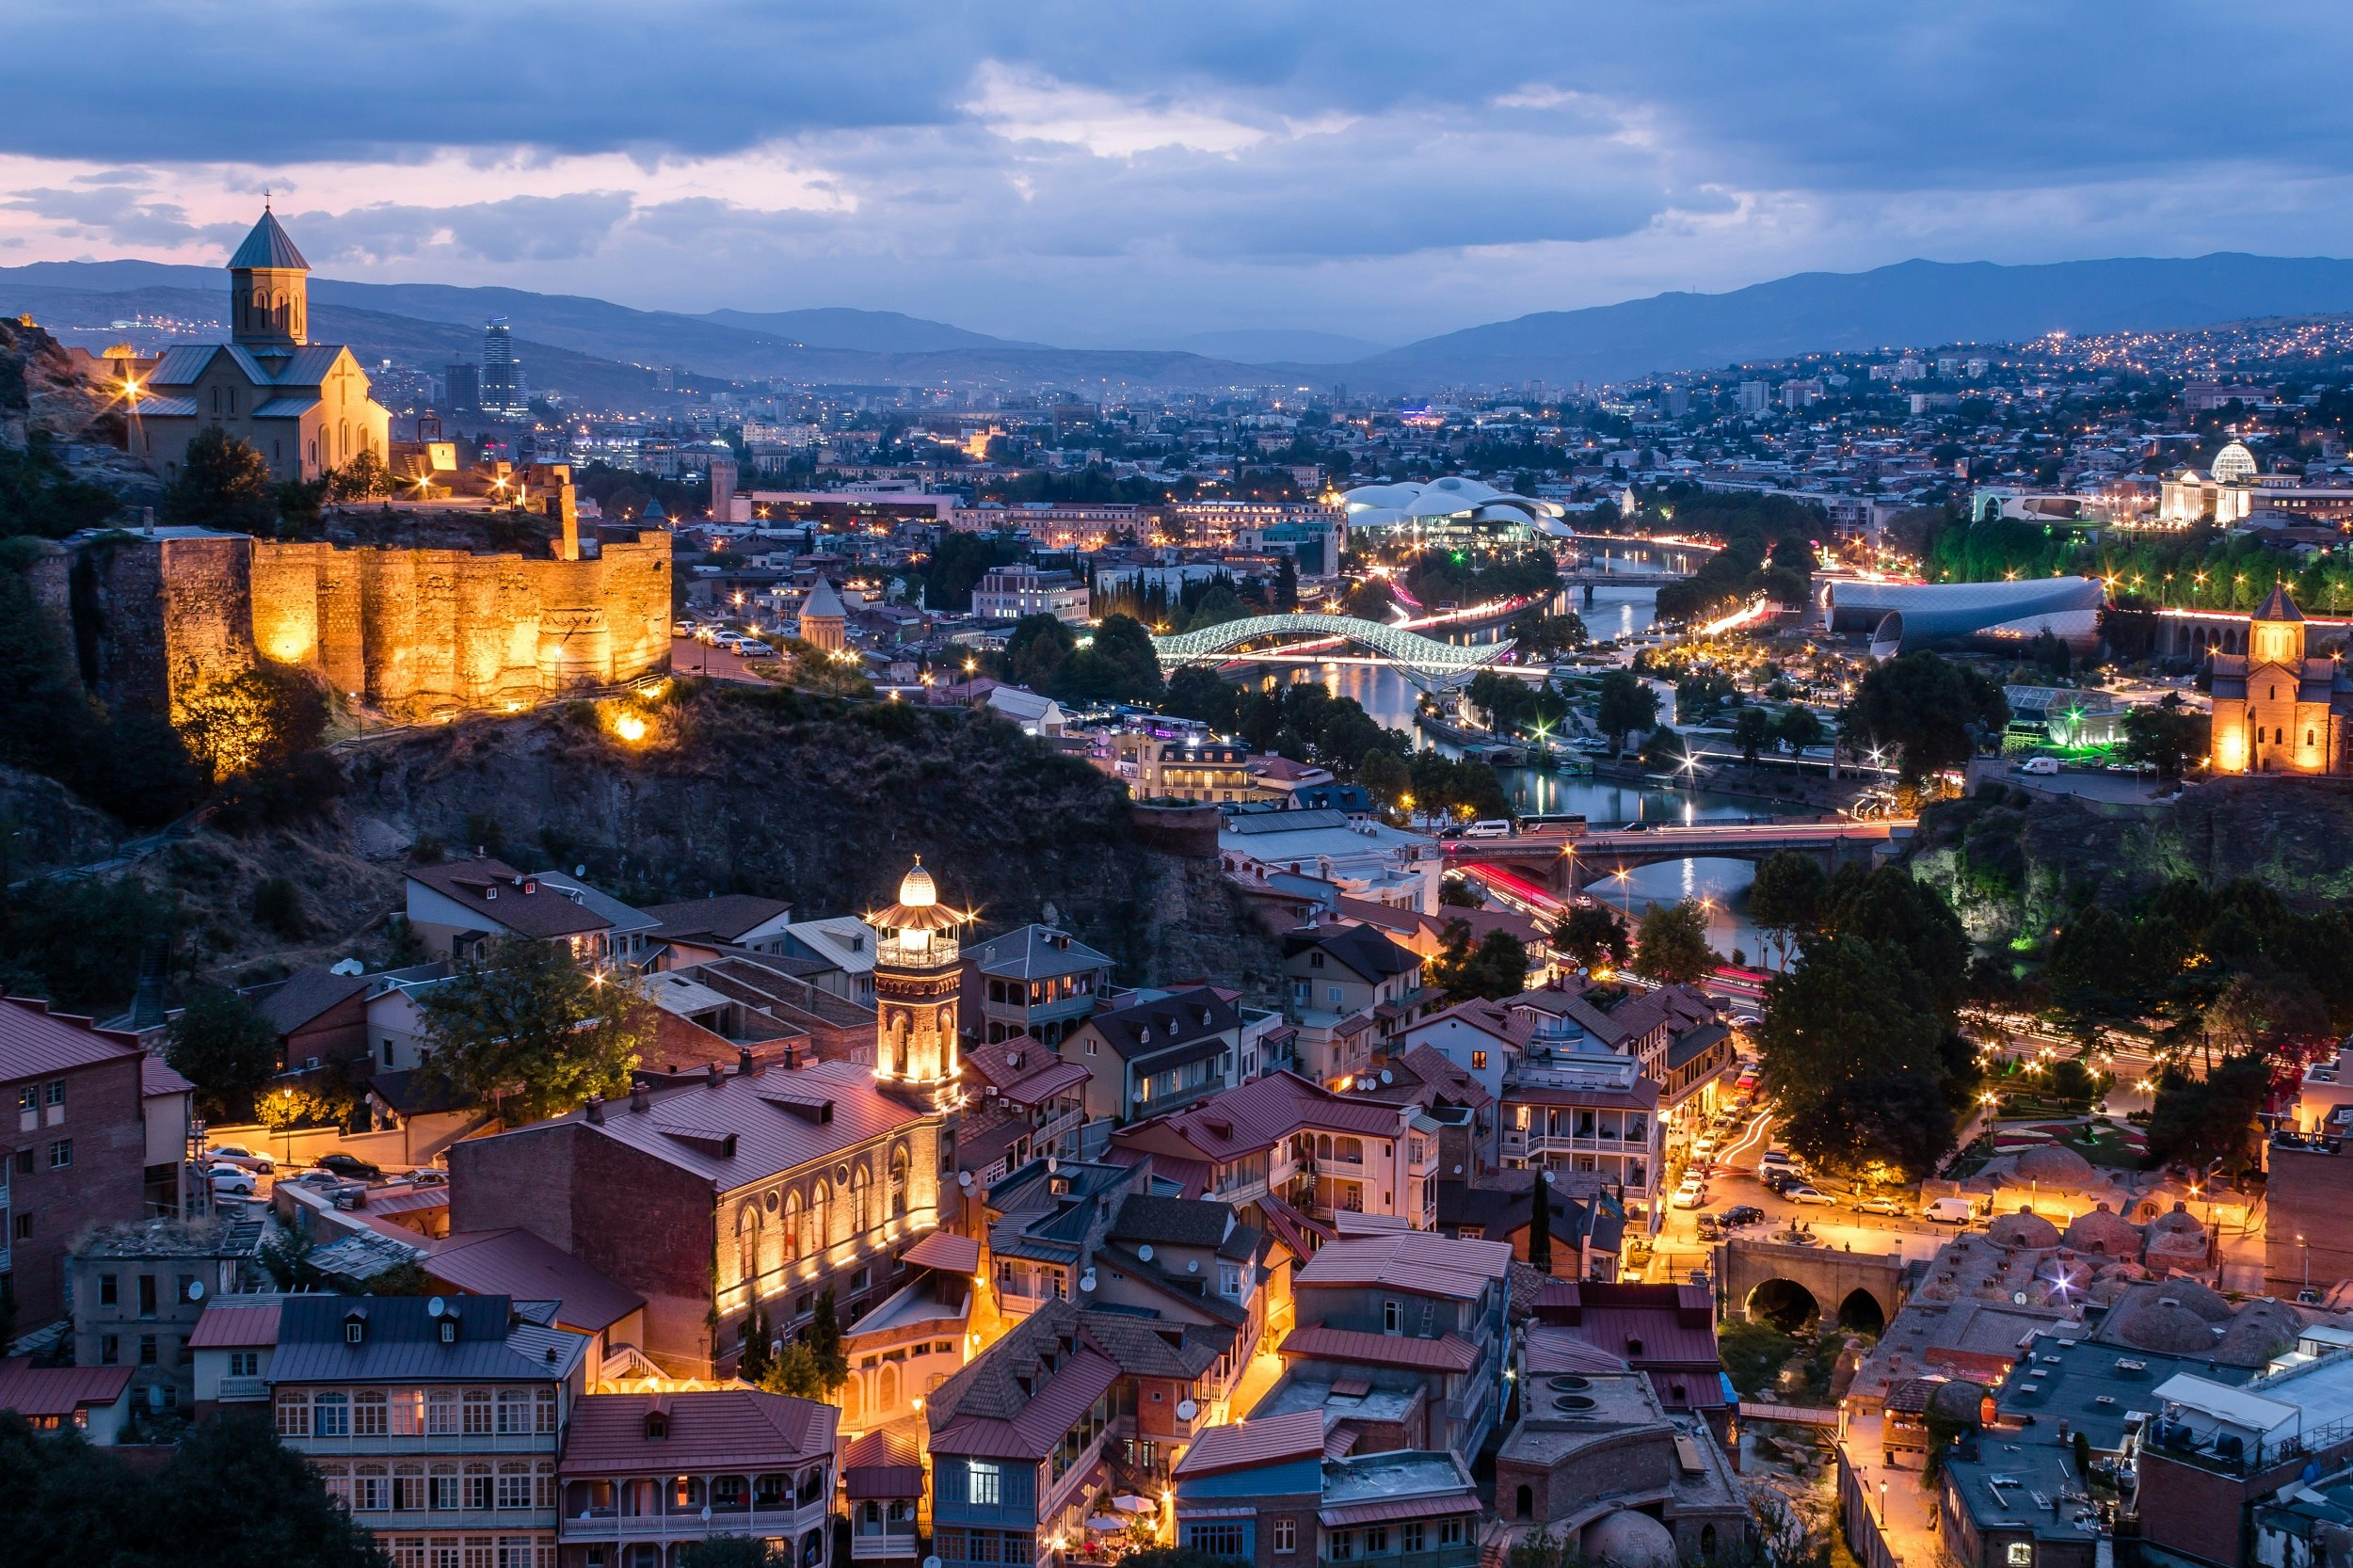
(364, 478)
(1931, 712)
(824, 1339)
(1797, 728)
(525, 1026)
(1751, 731)
(1625, 704)
(1287, 584)
(2165, 736)
(1384, 777)
(1670, 944)
(1664, 750)
(222, 1045)
(1593, 937)
(253, 720)
(1198, 692)
(752, 1363)
(223, 484)
(729, 1551)
(1495, 966)
(1035, 650)
(2197, 1122)
(1118, 666)
(1785, 898)
(1540, 1223)
(794, 1372)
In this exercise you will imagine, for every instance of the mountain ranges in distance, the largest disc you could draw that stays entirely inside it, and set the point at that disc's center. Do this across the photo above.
(596, 351)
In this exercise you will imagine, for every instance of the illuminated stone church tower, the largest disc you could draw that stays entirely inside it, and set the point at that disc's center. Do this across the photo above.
(916, 976)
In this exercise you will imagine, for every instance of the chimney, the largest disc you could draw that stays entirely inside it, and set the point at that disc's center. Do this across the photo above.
(712, 1074)
(596, 1110)
(637, 1100)
(744, 1067)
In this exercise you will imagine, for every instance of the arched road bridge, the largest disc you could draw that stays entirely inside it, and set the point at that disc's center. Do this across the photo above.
(1425, 661)
(1792, 1286)
(1565, 865)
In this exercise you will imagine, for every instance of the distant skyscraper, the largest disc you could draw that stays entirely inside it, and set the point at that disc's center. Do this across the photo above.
(462, 385)
(503, 390)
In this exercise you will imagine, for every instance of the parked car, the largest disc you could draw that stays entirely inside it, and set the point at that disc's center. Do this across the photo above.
(232, 1181)
(348, 1166)
(1881, 1206)
(1490, 828)
(752, 648)
(1800, 1192)
(1691, 1194)
(241, 1156)
(428, 1177)
(1740, 1215)
(682, 628)
(316, 1177)
(1950, 1211)
(2039, 766)
(1702, 1147)
(1708, 1230)
(1780, 1178)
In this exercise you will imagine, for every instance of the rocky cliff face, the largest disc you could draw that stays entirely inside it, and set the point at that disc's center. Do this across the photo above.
(750, 791)
(2014, 863)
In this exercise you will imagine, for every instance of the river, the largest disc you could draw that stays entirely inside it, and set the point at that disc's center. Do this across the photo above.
(1390, 698)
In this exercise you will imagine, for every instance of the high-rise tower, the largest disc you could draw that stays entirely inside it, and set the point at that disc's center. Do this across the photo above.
(502, 392)
(916, 976)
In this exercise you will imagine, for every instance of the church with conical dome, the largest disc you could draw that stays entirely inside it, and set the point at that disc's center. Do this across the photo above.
(2277, 708)
(917, 975)
(305, 406)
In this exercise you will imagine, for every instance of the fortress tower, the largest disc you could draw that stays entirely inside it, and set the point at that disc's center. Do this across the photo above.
(916, 976)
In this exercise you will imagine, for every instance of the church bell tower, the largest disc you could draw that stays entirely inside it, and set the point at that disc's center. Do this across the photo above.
(916, 978)
(269, 291)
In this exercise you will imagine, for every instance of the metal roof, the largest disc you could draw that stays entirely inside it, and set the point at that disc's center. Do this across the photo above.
(399, 1340)
(1448, 1354)
(58, 1391)
(1033, 952)
(1413, 1262)
(235, 1324)
(518, 1264)
(268, 245)
(1244, 1444)
(945, 1250)
(35, 1042)
(708, 1428)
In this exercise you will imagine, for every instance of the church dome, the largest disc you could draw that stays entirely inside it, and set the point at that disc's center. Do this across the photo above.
(1630, 1540)
(2233, 463)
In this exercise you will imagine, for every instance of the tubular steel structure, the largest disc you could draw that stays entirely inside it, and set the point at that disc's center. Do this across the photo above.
(1423, 659)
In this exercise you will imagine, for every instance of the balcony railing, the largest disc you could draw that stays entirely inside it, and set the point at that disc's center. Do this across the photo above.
(891, 1542)
(689, 1524)
(244, 1388)
(938, 954)
(440, 1443)
(1462, 1556)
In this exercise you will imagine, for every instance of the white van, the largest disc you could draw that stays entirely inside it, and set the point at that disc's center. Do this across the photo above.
(2040, 766)
(1950, 1211)
(1493, 827)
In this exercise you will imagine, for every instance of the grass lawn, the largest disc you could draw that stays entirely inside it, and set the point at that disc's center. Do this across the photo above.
(2105, 1145)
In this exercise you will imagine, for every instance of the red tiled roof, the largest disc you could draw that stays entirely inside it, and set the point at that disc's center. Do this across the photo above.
(1024, 1071)
(58, 1391)
(1434, 1068)
(722, 1428)
(1298, 1434)
(1295, 1230)
(228, 1325)
(157, 1077)
(1254, 1117)
(518, 1264)
(1410, 1260)
(945, 1251)
(1449, 1354)
(492, 892)
(1397, 1508)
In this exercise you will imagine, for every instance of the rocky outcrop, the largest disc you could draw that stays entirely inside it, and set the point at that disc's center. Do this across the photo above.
(753, 791)
(2014, 862)
(41, 391)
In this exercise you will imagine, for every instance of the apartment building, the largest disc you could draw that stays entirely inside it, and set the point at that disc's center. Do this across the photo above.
(1157, 1052)
(140, 1288)
(436, 1421)
(1011, 592)
(77, 1153)
(1264, 1492)
(1034, 981)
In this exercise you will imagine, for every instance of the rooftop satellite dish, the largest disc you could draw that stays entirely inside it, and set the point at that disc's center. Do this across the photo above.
(1458, 1168)
(1144, 1252)
(436, 1308)
(1193, 1266)
(1052, 1165)
(579, 870)
(196, 1289)
(964, 1180)
(1086, 1281)
(1548, 1175)
(1386, 1077)
(348, 967)
(1187, 1410)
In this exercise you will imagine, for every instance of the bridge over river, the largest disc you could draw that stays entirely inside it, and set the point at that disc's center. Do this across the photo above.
(1425, 661)
(1565, 865)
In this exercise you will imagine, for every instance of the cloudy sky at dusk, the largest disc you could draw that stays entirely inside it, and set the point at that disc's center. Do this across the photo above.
(1090, 173)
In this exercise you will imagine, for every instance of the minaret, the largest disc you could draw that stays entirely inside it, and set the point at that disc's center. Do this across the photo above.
(916, 978)
(269, 291)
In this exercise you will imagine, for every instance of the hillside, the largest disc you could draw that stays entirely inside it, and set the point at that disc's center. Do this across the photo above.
(2016, 865)
(1918, 304)
(742, 790)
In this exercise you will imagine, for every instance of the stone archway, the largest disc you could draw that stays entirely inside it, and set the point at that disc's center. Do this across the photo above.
(1861, 1312)
(1785, 1304)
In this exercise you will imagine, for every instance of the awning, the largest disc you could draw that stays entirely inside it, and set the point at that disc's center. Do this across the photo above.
(1398, 1508)
(945, 1251)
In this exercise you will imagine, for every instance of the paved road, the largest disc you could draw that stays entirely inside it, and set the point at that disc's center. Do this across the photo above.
(689, 657)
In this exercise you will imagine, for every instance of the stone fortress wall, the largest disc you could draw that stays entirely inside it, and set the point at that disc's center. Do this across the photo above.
(418, 633)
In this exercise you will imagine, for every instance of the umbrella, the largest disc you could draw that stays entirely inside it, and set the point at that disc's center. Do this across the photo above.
(1127, 1502)
(1103, 1523)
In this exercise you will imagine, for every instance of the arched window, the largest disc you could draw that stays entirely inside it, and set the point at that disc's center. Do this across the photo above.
(900, 1030)
(747, 1244)
(821, 1213)
(899, 1182)
(861, 1202)
(886, 1389)
(852, 1398)
(795, 1241)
